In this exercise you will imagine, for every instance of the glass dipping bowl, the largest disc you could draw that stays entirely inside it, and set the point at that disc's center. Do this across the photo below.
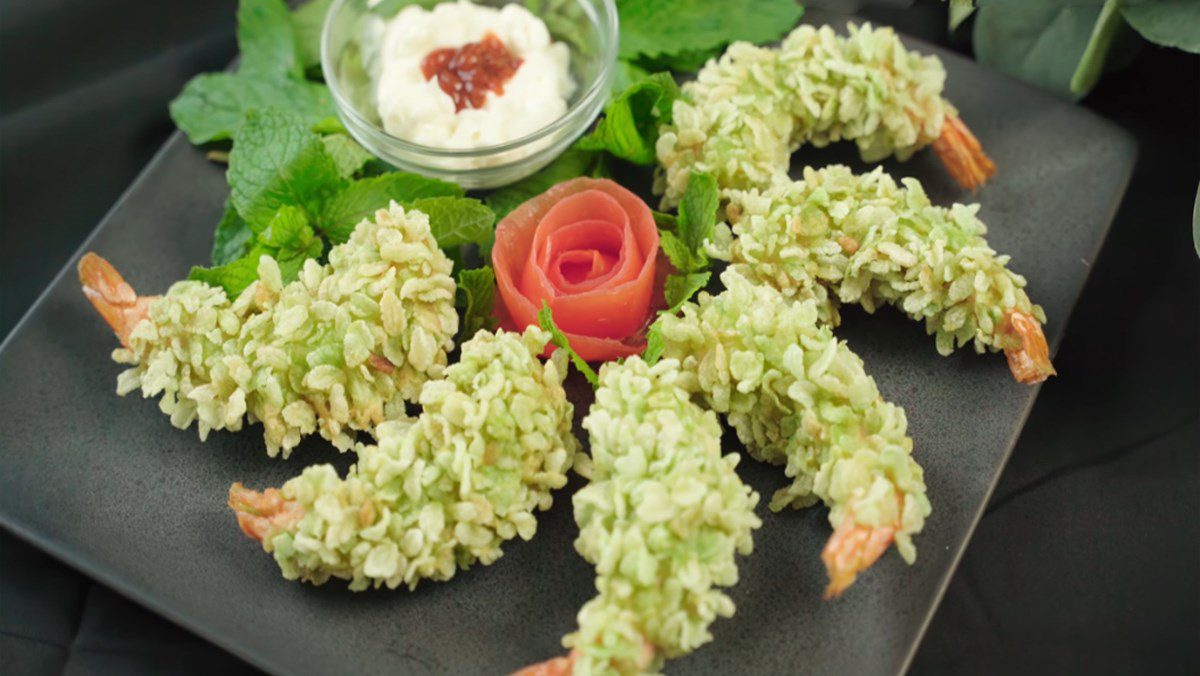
(353, 32)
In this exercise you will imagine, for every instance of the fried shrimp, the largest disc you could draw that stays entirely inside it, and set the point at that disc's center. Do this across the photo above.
(799, 397)
(436, 493)
(839, 237)
(662, 519)
(749, 110)
(339, 349)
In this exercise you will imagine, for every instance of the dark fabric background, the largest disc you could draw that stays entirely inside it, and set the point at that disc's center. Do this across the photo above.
(1088, 558)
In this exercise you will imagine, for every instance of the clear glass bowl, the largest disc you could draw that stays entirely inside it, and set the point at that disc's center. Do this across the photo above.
(588, 28)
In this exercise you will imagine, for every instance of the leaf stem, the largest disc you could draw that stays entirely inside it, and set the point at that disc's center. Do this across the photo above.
(1091, 64)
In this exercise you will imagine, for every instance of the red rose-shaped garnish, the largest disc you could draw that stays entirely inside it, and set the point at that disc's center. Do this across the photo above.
(587, 248)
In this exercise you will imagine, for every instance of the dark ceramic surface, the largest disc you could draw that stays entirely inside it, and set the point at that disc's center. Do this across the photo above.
(107, 484)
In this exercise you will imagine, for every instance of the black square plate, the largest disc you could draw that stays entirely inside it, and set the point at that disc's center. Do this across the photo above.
(108, 485)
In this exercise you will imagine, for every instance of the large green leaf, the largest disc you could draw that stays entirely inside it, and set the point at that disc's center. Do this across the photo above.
(655, 28)
(345, 210)
(1039, 41)
(1173, 23)
(267, 39)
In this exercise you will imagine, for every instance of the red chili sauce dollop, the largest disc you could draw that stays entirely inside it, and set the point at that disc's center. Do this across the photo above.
(469, 72)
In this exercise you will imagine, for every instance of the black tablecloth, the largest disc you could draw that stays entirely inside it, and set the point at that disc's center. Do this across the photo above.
(1088, 557)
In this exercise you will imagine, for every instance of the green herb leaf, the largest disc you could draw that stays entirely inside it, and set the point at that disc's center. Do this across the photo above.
(287, 238)
(232, 239)
(657, 27)
(546, 320)
(267, 39)
(1039, 41)
(665, 222)
(680, 288)
(628, 74)
(347, 154)
(573, 163)
(632, 119)
(361, 199)
(308, 19)
(277, 161)
(456, 221)
(476, 294)
(683, 258)
(1172, 23)
(698, 210)
(211, 107)
(688, 61)
(655, 343)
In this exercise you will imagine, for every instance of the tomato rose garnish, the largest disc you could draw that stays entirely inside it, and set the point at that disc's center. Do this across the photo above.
(587, 248)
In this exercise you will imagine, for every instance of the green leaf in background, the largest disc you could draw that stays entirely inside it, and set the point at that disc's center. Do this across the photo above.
(678, 289)
(211, 107)
(629, 128)
(1196, 222)
(688, 61)
(267, 39)
(960, 10)
(573, 163)
(457, 221)
(388, 8)
(307, 21)
(476, 294)
(1172, 23)
(347, 154)
(362, 198)
(656, 27)
(277, 161)
(546, 320)
(1039, 41)
(232, 239)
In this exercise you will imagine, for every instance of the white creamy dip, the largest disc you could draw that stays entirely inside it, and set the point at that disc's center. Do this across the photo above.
(417, 110)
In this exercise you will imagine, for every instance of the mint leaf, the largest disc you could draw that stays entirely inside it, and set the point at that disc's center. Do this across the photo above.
(234, 277)
(476, 294)
(212, 107)
(665, 222)
(347, 154)
(456, 221)
(688, 61)
(277, 161)
(546, 320)
(574, 162)
(267, 39)
(232, 239)
(362, 198)
(655, 343)
(287, 237)
(698, 210)
(656, 27)
(681, 256)
(308, 20)
(678, 289)
(632, 119)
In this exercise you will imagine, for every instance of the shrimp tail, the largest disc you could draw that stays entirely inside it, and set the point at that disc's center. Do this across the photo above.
(112, 296)
(1029, 359)
(852, 549)
(262, 515)
(962, 154)
(559, 666)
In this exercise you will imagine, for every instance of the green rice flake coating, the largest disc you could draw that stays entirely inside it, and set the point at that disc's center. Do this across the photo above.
(837, 237)
(797, 396)
(304, 357)
(662, 519)
(749, 110)
(447, 489)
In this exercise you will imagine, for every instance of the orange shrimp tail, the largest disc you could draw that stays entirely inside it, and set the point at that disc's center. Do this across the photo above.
(852, 549)
(1029, 363)
(559, 666)
(112, 296)
(262, 515)
(960, 151)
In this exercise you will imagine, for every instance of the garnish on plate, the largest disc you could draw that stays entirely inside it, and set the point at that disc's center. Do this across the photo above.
(587, 248)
